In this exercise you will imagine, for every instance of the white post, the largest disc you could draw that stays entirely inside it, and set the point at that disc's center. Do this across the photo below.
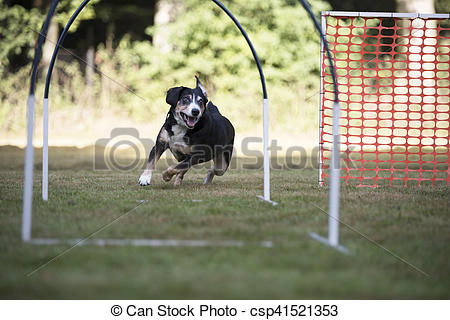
(322, 50)
(333, 220)
(266, 150)
(333, 208)
(266, 195)
(28, 176)
(45, 153)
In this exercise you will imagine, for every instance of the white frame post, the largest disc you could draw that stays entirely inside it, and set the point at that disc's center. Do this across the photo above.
(266, 154)
(45, 152)
(335, 169)
(333, 200)
(29, 151)
(28, 179)
(29, 161)
(266, 150)
(333, 213)
(322, 51)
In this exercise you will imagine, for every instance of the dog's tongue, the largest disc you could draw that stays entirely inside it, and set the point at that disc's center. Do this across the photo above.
(190, 121)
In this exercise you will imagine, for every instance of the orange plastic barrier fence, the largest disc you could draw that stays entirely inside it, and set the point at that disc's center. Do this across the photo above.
(394, 89)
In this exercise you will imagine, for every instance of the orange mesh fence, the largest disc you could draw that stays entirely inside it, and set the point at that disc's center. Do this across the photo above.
(394, 86)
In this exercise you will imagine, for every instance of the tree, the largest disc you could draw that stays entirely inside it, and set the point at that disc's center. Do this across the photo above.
(19, 29)
(52, 32)
(422, 6)
(166, 13)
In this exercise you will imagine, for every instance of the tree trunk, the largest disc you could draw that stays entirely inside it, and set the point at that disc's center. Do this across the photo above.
(52, 34)
(107, 68)
(415, 54)
(50, 43)
(90, 55)
(166, 12)
(422, 6)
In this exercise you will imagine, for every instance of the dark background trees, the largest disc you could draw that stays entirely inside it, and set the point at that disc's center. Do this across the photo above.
(121, 56)
(132, 18)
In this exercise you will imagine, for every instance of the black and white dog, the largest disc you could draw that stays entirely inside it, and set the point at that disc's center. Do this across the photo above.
(195, 132)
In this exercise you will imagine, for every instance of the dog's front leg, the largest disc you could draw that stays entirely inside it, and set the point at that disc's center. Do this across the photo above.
(180, 169)
(179, 177)
(155, 154)
(177, 170)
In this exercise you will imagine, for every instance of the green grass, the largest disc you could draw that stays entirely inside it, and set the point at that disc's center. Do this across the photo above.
(411, 222)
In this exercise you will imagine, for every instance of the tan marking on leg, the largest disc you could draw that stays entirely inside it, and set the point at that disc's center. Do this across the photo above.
(164, 136)
(150, 166)
(179, 178)
(169, 173)
(180, 147)
(210, 176)
(220, 165)
(219, 168)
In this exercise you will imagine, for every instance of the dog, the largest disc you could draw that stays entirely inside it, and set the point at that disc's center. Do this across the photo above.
(195, 132)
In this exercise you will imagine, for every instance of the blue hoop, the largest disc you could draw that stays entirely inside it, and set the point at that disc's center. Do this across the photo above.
(85, 2)
(325, 43)
(37, 53)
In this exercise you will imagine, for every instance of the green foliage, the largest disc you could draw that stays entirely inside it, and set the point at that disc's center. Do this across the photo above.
(13, 99)
(20, 27)
(442, 6)
(66, 8)
(18, 31)
(204, 42)
(213, 46)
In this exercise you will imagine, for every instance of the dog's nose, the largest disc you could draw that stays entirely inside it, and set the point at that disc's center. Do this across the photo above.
(195, 112)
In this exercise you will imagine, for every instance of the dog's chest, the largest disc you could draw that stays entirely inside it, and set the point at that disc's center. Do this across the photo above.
(177, 142)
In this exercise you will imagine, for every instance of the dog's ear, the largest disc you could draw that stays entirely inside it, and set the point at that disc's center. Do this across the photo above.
(200, 85)
(173, 95)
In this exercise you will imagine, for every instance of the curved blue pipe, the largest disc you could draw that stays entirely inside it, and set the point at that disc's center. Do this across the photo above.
(85, 2)
(255, 55)
(58, 45)
(325, 43)
(37, 53)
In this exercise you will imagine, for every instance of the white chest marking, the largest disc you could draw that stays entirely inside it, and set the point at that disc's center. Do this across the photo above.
(176, 142)
(178, 131)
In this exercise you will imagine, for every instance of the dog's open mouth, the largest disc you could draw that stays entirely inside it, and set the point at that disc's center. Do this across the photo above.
(190, 121)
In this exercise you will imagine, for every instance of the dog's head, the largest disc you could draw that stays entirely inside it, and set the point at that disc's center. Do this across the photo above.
(188, 105)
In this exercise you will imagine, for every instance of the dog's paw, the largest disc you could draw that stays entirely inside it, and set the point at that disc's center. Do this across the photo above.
(167, 175)
(178, 181)
(145, 179)
(209, 177)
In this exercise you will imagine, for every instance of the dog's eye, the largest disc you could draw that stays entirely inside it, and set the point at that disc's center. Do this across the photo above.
(185, 99)
(200, 101)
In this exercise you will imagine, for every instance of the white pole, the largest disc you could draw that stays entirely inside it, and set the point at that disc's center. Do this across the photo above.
(28, 179)
(266, 150)
(322, 51)
(333, 220)
(45, 153)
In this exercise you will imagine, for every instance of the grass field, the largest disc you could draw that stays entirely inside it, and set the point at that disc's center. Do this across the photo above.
(412, 222)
